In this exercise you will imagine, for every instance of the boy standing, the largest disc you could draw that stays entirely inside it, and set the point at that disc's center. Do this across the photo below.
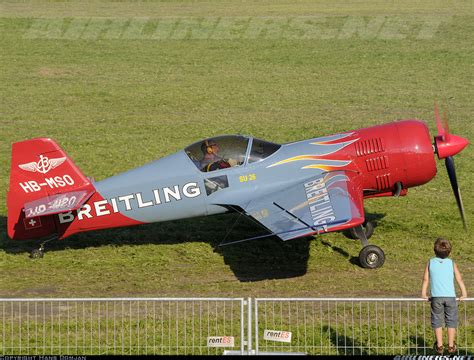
(439, 274)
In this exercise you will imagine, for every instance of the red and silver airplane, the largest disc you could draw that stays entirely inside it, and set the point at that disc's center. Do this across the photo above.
(293, 190)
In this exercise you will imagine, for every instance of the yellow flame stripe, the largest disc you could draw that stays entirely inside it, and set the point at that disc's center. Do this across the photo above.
(327, 166)
(297, 158)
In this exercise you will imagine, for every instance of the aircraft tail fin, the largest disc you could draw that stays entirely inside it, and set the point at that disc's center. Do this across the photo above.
(43, 181)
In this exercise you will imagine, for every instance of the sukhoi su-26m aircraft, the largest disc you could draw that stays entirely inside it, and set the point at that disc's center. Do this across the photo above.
(293, 190)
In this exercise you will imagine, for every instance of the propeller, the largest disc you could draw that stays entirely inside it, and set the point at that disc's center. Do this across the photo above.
(449, 161)
(440, 127)
(448, 145)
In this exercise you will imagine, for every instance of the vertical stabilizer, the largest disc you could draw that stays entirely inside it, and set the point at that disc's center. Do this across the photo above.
(43, 181)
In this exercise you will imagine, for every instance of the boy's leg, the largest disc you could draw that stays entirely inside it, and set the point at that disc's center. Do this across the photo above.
(451, 336)
(451, 318)
(439, 336)
(437, 319)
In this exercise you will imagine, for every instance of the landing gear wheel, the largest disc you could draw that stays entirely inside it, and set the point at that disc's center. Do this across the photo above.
(371, 257)
(36, 254)
(39, 253)
(368, 227)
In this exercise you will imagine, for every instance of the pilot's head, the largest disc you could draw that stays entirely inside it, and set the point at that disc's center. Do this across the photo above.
(209, 147)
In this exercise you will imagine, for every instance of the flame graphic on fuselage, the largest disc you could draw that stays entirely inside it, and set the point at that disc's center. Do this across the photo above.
(334, 139)
(329, 166)
(327, 146)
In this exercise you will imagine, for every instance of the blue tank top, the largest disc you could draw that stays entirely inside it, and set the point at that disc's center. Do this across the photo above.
(442, 277)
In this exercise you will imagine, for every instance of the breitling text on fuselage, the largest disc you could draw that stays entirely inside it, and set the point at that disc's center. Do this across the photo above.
(133, 201)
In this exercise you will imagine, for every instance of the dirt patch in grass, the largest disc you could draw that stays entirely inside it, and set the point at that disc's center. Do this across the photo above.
(52, 72)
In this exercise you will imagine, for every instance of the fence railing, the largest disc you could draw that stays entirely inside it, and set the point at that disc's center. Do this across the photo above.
(126, 326)
(345, 326)
(195, 326)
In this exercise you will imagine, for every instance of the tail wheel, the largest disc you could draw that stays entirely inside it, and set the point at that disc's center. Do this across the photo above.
(371, 257)
(36, 254)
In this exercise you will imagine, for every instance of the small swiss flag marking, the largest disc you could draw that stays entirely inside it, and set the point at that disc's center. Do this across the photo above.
(32, 223)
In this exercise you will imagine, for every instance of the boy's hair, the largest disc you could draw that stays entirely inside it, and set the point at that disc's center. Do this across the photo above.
(442, 248)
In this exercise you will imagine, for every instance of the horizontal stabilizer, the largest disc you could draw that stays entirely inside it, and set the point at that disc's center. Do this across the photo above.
(58, 203)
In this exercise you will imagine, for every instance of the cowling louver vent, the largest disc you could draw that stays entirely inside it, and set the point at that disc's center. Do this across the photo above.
(369, 146)
(383, 182)
(377, 163)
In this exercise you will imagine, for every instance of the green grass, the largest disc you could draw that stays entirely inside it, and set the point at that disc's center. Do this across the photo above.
(114, 104)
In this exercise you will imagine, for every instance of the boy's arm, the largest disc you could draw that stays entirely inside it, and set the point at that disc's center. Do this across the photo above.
(460, 282)
(426, 281)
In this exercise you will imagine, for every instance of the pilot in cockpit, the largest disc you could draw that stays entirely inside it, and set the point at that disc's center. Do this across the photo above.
(211, 159)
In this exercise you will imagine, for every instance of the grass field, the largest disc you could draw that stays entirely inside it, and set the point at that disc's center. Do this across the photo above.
(120, 84)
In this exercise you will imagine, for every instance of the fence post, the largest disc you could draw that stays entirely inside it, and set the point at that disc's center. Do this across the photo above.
(256, 326)
(249, 326)
(242, 325)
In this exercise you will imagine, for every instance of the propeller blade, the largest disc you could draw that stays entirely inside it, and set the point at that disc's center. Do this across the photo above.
(445, 122)
(438, 120)
(449, 161)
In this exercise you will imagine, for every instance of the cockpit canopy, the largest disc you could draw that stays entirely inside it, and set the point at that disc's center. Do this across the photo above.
(222, 152)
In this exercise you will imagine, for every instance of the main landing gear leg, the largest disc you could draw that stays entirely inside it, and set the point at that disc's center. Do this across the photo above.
(368, 227)
(39, 253)
(371, 256)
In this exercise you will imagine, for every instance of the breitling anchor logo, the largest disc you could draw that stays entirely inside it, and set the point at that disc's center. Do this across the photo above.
(44, 164)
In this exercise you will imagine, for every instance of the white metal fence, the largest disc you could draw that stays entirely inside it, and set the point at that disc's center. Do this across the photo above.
(168, 326)
(126, 326)
(346, 326)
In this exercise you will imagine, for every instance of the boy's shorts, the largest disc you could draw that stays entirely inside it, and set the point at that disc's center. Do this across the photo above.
(444, 310)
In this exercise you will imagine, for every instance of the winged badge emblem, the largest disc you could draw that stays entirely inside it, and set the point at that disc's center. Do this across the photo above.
(43, 165)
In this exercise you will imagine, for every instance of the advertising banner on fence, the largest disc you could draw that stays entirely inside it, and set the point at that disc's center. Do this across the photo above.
(275, 335)
(220, 341)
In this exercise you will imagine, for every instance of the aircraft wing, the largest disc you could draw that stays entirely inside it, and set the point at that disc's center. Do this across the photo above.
(327, 202)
